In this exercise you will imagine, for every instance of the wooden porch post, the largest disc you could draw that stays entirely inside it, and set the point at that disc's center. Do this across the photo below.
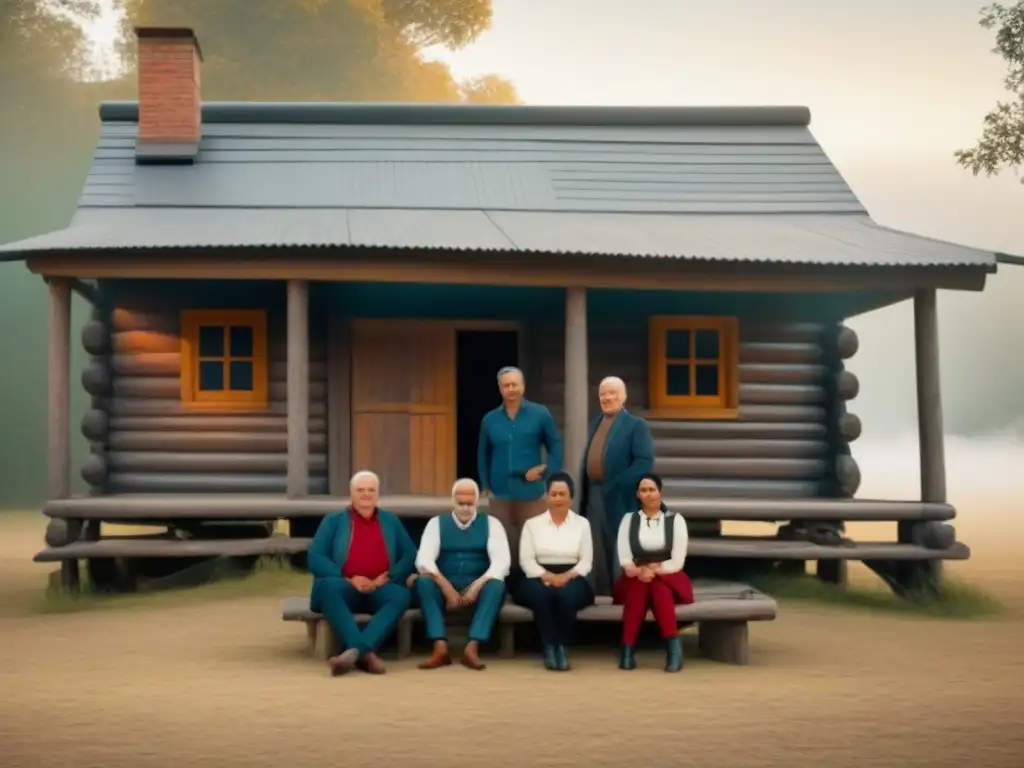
(298, 388)
(577, 389)
(59, 407)
(929, 397)
(926, 576)
(59, 485)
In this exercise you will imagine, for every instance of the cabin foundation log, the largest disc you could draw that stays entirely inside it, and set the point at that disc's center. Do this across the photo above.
(832, 571)
(298, 388)
(577, 390)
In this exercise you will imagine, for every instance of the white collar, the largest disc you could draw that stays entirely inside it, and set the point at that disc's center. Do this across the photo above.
(549, 521)
(656, 520)
(461, 525)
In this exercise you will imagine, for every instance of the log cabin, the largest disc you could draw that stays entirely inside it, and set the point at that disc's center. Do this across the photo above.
(284, 293)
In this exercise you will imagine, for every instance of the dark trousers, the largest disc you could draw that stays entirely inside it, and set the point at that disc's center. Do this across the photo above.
(485, 612)
(513, 514)
(555, 608)
(605, 534)
(339, 602)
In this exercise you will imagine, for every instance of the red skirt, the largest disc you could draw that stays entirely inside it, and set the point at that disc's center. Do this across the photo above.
(679, 583)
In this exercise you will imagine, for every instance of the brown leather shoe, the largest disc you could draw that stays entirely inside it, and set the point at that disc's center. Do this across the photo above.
(372, 664)
(439, 657)
(471, 656)
(343, 662)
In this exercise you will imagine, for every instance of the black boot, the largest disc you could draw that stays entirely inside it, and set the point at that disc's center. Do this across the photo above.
(561, 660)
(674, 658)
(550, 658)
(627, 657)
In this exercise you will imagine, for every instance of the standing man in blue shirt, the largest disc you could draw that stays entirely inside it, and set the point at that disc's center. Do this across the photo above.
(511, 466)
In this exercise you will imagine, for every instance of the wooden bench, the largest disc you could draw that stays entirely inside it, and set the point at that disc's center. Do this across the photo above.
(323, 643)
(722, 611)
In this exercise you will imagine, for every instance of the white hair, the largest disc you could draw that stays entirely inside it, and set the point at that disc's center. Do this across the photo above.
(467, 481)
(612, 380)
(363, 474)
(511, 369)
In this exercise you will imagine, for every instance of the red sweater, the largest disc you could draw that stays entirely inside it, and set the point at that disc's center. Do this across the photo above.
(367, 552)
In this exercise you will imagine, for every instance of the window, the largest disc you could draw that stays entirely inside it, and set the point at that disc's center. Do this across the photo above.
(224, 359)
(693, 362)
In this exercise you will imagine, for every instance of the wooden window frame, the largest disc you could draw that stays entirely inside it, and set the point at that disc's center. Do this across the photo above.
(228, 400)
(723, 406)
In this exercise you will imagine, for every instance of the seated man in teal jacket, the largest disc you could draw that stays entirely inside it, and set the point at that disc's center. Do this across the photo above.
(360, 559)
(464, 558)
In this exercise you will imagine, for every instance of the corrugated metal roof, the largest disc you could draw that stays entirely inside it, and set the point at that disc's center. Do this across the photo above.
(789, 239)
(711, 183)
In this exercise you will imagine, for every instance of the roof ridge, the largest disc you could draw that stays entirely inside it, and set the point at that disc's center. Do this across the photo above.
(373, 113)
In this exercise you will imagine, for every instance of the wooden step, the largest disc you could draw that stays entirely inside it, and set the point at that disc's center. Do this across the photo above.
(162, 507)
(122, 546)
(775, 549)
(725, 547)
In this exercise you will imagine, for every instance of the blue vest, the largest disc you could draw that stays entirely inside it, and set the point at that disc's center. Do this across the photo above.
(464, 552)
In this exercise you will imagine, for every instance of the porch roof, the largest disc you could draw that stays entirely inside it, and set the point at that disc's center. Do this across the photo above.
(847, 240)
(716, 184)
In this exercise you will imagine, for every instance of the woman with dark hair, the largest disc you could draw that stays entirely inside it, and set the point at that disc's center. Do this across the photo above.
(556, 552)
(652, 546)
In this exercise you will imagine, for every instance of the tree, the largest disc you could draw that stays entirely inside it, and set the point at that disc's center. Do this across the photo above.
(489, 89)
(1002, 139)
(320, 50)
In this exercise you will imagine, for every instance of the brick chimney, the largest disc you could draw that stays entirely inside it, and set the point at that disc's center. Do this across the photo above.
(170, 108)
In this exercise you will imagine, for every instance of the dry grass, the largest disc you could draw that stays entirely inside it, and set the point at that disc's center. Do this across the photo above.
(212, 676)
(959, 599)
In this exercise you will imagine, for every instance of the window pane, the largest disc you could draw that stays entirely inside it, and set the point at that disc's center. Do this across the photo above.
(677, 345)
(241, 375)
(706, 379)
(211, 341)
(211, 376)
(706, 344)
(240, 341)
(677, 380)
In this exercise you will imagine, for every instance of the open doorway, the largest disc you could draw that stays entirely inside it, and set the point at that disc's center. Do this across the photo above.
(479, 355)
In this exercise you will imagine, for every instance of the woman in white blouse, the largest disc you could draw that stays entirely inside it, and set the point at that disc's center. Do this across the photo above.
(652, 546)
(556, 552)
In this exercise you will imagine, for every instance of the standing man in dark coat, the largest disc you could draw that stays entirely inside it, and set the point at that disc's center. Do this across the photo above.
(510, 462)
(618, 453)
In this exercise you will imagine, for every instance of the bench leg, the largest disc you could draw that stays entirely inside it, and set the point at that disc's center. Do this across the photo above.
(326, 644)
(506, 640)
(404, 638)
(311, 634)
(726, 641)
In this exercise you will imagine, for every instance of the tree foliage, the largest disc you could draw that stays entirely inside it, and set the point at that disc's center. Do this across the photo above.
(1002, 139)
(322, 50)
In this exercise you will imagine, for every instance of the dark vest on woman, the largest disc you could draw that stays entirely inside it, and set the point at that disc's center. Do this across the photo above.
(643, 556)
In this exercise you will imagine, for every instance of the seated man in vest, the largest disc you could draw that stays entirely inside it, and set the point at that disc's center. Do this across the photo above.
(360, 559)
(463, 561)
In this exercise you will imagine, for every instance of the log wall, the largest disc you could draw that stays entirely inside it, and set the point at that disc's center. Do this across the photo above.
(785, 442)
(150, 442)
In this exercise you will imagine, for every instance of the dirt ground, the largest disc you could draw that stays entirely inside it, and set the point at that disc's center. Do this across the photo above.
(229, 684)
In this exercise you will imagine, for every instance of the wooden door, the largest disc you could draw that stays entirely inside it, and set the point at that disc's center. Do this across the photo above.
(403, 404)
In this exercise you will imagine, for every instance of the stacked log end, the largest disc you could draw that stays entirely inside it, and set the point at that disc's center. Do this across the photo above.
(847, 426)
(97, 380)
